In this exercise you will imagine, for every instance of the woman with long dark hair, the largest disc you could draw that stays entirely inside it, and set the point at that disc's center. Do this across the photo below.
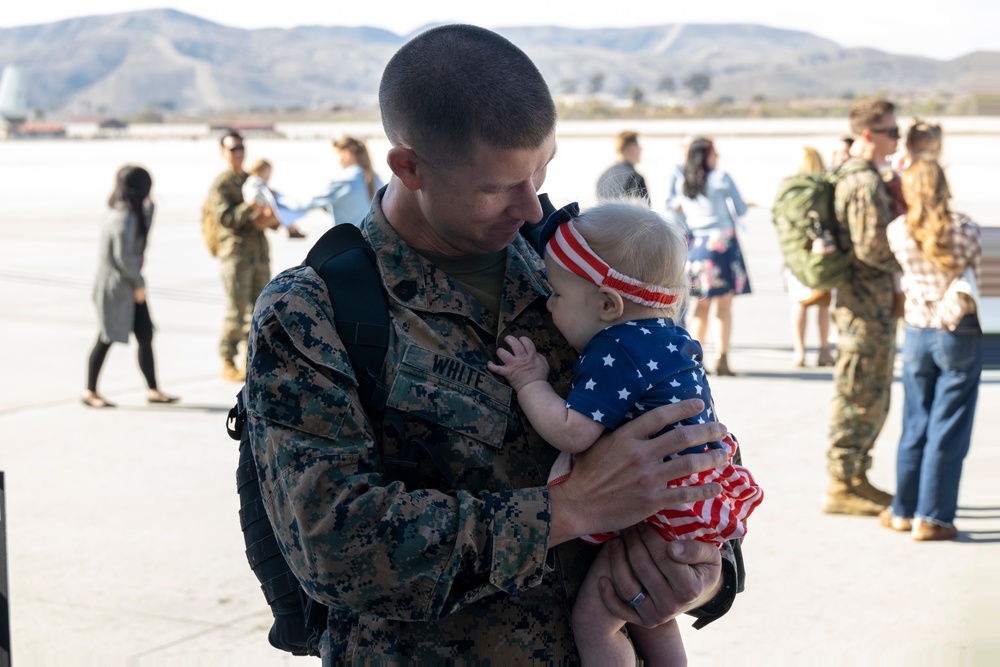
(119, 289)
(940, 253)
(710, 205)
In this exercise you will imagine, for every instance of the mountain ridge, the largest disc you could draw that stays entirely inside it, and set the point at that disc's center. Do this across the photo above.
(165, 59)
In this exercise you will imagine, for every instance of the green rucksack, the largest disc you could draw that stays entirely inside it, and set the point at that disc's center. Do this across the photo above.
(817, 248)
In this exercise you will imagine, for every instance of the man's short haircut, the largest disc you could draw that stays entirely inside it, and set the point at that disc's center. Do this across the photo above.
(868, 113)
(230, 133)
(455, 85)
(624, 140)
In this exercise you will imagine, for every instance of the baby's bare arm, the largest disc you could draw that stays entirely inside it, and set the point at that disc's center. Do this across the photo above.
(527, 372)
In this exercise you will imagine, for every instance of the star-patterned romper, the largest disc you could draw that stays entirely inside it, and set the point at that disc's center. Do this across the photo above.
(629, 368)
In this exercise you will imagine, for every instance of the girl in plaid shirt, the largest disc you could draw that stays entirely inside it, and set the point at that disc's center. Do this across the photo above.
(939, 252)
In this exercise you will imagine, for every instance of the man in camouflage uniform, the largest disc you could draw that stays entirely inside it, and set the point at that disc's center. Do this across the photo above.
(433, 536)
(866, 325)
(243, 251)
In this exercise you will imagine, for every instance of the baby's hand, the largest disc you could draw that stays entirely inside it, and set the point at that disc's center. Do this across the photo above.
(522, 364)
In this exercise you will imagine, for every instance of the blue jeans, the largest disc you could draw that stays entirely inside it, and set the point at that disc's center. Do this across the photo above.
(941, 372)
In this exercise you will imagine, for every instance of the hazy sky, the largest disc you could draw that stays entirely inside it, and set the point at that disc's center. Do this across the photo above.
(935, 28)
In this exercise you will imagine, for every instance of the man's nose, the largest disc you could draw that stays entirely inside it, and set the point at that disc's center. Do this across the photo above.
(527, 207)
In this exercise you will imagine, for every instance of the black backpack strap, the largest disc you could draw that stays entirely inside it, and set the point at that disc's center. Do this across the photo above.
(345, 261)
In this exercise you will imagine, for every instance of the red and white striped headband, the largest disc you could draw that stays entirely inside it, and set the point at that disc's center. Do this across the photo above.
(569, 250)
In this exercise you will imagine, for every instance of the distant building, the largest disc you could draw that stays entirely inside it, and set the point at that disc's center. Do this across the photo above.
(91, 127)
(246, 128)
(37, 131)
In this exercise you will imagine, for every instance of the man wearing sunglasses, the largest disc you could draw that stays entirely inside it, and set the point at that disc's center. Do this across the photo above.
(243, 251)
(864, 317)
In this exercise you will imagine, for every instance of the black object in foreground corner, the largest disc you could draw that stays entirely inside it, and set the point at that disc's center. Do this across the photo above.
(4, 588)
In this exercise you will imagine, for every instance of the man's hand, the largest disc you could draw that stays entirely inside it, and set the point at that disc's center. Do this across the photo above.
(139, 294)
(522, 364)
(266, 218)
(622, 478)
(676, 576)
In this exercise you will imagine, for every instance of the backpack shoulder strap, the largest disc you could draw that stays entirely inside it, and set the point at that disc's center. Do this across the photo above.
(345, 261)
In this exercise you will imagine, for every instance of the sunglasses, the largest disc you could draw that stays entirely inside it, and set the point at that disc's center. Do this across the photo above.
(891, 132)
(238, 148)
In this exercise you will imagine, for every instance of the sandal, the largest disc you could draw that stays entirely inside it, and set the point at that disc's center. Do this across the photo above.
(95, 401)
(160, 397)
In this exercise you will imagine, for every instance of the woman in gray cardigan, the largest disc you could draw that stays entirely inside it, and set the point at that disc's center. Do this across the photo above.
(119, 289)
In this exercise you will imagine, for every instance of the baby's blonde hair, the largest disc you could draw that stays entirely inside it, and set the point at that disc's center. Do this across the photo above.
(640, 243)
(259, 165)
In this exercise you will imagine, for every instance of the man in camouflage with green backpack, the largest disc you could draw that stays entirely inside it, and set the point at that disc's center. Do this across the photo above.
(866, 325)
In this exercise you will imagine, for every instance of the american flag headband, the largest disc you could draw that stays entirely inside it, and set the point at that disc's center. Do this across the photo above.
(570, 250)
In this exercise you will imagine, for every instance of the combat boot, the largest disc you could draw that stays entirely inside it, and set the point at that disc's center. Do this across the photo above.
(230, 373)
(843, 498)
(865, 489)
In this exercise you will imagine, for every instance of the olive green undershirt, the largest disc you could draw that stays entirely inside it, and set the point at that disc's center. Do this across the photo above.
(481, 275)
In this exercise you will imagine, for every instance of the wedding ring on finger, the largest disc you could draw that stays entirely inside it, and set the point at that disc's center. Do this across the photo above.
(637, 600)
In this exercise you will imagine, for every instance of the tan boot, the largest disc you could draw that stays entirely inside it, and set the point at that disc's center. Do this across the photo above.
(842, 498)
(722, 365)
(230, 373)
(865, 489)
(898, 523)
(925, 531)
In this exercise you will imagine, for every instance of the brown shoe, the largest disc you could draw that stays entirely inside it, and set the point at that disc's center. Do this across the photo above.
(230, 373)
(722, 365)
(892, 522)
(842, 498)
(864, 488)
(926, 531)
(825, 358)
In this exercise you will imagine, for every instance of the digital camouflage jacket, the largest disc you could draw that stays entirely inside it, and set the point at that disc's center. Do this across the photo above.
(862, 202)
(239, 239)
(418, 563)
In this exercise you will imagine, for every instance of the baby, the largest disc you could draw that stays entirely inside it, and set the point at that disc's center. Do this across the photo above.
(257, 191)
(618, 278)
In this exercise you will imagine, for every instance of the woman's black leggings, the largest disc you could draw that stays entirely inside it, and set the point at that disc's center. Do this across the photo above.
(142, 327)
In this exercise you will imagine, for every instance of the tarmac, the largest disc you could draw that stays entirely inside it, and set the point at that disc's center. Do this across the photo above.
(123, 541)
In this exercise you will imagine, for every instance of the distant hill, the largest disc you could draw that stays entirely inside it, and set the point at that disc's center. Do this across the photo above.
(165, 59)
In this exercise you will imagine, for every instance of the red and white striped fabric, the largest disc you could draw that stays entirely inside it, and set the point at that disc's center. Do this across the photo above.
(714, 520)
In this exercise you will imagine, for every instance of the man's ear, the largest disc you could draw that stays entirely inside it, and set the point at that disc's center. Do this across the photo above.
(403, 162)
(612, 304)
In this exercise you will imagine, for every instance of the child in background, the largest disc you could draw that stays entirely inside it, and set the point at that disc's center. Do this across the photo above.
(618, 277)
(256, 190)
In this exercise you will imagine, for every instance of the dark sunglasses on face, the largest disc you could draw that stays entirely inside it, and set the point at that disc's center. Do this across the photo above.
(236, 148)
(891, 132)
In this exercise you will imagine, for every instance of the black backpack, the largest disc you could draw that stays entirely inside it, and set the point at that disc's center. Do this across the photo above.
(342, 257)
